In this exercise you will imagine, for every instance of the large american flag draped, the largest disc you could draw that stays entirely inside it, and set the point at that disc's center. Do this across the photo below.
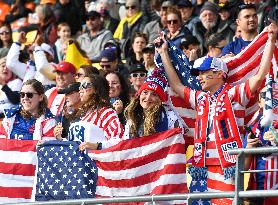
(241, 68)
(142, 166)
(147, 165)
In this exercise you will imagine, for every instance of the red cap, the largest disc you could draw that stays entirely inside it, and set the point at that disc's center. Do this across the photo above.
(65, 67)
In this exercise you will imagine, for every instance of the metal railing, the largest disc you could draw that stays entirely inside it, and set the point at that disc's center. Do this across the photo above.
(239, 194)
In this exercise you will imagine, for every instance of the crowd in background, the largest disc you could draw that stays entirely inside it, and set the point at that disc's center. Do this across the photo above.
(119, 93)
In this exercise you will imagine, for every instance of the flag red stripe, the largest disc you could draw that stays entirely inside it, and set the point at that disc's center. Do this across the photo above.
(139, 142)
(17, 145)
(140, 161)
(16, 192)
(143, 179)
(17, 169)
(179, 102)
(247, 54)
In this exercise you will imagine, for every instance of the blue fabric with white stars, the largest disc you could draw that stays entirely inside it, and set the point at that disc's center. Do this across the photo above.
(197, 186)
(64, 172)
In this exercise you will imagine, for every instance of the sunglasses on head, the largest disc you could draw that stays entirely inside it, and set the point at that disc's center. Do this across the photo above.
(85, 85)
(4, 33)
(246, 6)
(130, 7)
(28, 94)
(135, 75)
(175, 21)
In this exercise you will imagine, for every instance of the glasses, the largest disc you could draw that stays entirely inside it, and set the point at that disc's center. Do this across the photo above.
(78, 75)
(28, 95)
(91, 18)
(105, 66)
(130, 7)
(4, 33)
(262, 95)
(85, 85)
(135, 75)
(175, 21)
(219, 47)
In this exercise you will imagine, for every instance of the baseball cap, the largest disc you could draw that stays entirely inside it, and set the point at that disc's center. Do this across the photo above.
(65, 67)
(93, 14)
(149, 47)
(73, 87)
(184, 3)
(47, 48)
(110, 53)
(208, 63)
(137, 68)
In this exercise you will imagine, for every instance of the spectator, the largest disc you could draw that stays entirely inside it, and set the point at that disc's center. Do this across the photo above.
(10, 86)
(70, 109)
(103, 7)
(138, 42)
(43, 55)
(188, 18)
(247, 21)
(96, 126)
(134, 22)
(64, 33)
(6, 39)
(94, 39)
(215, 43)
(146, 114)
(31, 120)
(137, 74)
(212, 76)
(148, 58)
(47, 23)
(65, 73)
(209, 25)
(175, 31)
(191, 48)
(69, 11)
(85, 70)
(118, 93)
(109, 62)
(153, 28)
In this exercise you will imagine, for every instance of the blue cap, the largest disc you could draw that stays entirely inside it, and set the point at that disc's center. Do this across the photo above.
(208, 63)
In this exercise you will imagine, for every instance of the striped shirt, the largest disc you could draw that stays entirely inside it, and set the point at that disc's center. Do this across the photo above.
(97, 126)
(239, 96)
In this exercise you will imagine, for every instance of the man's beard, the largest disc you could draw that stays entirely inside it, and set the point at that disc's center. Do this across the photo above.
(209, 25)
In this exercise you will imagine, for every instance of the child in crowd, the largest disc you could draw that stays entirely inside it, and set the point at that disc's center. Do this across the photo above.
(64, 33)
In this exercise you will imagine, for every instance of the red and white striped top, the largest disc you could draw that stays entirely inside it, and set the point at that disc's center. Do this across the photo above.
(239, 96)
(98, 126)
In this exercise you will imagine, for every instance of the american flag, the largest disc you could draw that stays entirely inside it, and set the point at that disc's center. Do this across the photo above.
(271, 178)
(147, 165)
(142, 166)
(64, 172)
(199, 185)
(241, 68)
(17, 170)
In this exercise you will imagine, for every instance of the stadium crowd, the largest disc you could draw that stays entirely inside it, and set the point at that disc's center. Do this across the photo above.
(118, 93)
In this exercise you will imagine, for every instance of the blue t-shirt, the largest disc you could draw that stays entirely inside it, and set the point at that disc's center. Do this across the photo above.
(235, 46)
(23, 129)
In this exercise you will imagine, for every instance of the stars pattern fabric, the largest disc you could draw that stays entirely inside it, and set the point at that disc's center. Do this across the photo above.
(64, 172)
(199, 185)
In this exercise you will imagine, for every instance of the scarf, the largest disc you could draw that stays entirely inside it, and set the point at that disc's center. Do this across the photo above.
(130, 21)
(226, 132)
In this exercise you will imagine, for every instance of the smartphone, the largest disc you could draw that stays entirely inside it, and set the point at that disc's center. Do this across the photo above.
(249, 130)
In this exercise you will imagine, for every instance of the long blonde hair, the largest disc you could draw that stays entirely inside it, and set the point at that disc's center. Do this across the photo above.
(135, 114)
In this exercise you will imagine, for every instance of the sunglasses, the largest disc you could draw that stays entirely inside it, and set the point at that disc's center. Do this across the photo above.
(105, 66)
(263, 95)
(175, 21)
(85, 85)
(219, 47)
(135, 75)
(4, 33)
(246, 6)
(130, 7)
(28, 95)
(91, 18)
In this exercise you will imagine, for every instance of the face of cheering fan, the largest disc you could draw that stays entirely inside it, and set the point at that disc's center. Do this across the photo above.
(148, 99)
(210, 80)
(86, 89)
(30, 99)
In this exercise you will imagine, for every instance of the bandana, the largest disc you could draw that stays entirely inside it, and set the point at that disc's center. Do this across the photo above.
(226, 132)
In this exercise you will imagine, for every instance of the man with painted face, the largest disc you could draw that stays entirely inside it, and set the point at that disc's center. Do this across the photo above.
(220, 112)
